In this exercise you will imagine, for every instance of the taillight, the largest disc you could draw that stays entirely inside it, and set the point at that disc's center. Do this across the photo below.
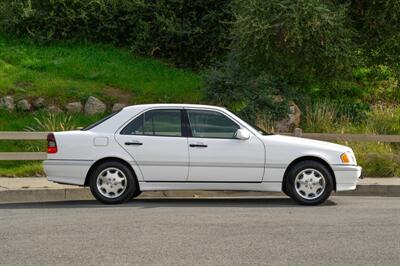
(51, 143)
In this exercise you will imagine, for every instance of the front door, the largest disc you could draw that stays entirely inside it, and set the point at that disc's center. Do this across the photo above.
(157, 143)
(216, 155)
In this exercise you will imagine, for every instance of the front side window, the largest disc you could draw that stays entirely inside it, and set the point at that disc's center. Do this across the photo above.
(156, 123)
(210, 124)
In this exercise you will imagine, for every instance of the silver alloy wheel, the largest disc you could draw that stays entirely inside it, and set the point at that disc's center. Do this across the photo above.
(310, 184)
(111, 182)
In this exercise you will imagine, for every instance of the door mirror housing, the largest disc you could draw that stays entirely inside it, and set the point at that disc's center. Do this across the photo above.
(242, 134)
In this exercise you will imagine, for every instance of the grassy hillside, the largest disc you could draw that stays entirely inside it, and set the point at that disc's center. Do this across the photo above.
(63, 73)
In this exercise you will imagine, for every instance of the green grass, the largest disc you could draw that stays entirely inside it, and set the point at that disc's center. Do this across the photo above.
(325, 118)
(68, 72)
(63, 72)
(19, 121)
(21, 169)
(378, 159)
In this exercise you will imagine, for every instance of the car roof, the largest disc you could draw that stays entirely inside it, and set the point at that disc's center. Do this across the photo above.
(184, 105)
(114, 122)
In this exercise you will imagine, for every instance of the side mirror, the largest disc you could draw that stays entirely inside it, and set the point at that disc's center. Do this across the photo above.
(242, 134)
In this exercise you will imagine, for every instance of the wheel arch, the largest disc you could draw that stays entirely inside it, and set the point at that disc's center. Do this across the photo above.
(308, 158)
(107, 159)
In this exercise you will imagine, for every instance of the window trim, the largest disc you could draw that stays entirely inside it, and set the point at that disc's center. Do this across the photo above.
(208, 110)
(143, 112)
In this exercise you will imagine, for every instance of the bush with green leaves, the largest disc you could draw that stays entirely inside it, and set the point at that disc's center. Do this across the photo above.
(238, 89)
(342, 52)
(376, 24)
(295, 39)
(189, 33)
(377, 159)
(53, 122)
(279, 47)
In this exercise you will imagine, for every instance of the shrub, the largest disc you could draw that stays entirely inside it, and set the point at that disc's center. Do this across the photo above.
(383, 120)
(324, 115)
(377, 159)
(295, 39)
(189, 33)
(229, 85)
(280, 47)
(53, 122)
(320, 117)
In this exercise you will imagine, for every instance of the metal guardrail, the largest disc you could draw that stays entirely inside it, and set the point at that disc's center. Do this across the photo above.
(38, 156)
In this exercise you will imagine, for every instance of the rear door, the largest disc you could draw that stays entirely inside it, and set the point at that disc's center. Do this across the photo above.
(156, 141)
(216, 155)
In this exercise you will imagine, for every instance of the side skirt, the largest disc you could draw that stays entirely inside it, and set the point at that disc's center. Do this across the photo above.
(264, 186)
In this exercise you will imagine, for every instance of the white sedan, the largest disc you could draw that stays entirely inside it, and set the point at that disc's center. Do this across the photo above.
(195, 147)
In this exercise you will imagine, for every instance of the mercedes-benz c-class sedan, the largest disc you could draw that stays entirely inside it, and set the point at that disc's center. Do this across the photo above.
(195, 147)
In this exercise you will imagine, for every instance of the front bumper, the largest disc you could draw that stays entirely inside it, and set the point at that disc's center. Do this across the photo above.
(347, 176)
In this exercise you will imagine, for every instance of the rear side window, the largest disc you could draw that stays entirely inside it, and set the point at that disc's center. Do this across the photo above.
(156, 123)
(135, 127)
(210, 124)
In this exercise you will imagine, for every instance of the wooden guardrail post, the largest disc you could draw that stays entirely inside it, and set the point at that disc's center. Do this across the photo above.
(298, 132)
(23, 156)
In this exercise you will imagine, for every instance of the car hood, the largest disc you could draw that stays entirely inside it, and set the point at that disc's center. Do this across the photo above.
(306, 143)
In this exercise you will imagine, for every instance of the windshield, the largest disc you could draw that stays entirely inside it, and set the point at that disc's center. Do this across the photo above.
(99, 122)
(260, 130)
(256, 128)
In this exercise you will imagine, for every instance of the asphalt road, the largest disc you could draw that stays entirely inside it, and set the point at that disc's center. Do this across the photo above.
(346, 230)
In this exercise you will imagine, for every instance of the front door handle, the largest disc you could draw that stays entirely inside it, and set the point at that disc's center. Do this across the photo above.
(133, 143)
(199, 145)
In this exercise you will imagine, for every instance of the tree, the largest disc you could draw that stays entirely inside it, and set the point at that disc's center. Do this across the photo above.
(295, 39)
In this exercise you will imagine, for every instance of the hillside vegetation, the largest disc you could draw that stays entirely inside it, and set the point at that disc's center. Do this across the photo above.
(63, 73)
(66, 72)
(336, 61)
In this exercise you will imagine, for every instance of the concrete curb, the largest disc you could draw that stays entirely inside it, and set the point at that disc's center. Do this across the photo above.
(67, 194)
(373, 191)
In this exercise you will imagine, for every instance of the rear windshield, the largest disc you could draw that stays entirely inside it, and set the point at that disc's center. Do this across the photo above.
(99, 122)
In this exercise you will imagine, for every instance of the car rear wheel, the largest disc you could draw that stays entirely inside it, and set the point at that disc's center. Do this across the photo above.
(112, 183)
(285, 190)
(309, 183)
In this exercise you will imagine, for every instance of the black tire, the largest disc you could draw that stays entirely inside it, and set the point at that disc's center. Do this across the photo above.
(131, 185)
(136, 194)
(285, 190)
(304, 198)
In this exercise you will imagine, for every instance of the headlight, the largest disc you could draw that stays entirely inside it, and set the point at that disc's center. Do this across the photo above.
(348, 158)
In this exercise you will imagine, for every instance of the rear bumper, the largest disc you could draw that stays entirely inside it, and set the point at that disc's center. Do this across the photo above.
(347, 176)
(67, 171)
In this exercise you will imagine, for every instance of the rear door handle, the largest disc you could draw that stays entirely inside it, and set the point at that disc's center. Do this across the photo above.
(133, 143)
(198, 145)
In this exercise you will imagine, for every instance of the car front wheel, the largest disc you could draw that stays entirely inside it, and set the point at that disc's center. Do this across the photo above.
(309, 183)
(112, 183)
